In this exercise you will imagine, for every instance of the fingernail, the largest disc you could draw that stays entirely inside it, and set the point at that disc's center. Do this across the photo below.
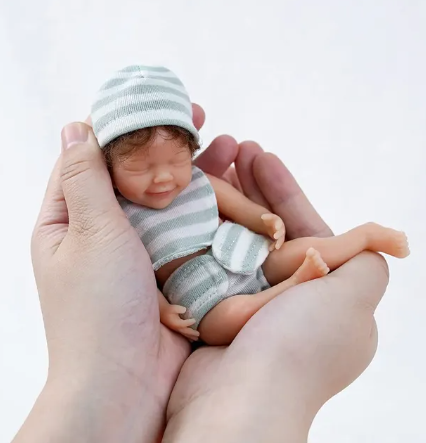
(74, 134)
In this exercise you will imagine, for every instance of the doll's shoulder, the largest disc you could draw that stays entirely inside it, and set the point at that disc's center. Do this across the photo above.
(198, 175)
(200, 181)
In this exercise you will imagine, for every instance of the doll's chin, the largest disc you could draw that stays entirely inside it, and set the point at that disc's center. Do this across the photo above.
(156, 202)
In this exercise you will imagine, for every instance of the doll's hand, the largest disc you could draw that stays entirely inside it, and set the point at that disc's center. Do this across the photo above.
(276, 230)
(170, 317)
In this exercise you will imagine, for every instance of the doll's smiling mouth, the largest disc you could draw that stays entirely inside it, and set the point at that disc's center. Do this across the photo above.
(161, 194)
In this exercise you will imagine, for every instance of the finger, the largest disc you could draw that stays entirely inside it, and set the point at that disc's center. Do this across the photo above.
(268, 220)
(287, 199)
(280, 242)
(190, 333)
(248, 151)
(88, 121)
(187, 323)
(278, 224)
(53, 208)
(217, 158)
(178, 309)
(279, 234)
(86, 183)
(361, 281)
(231, 177)
(52, 222)
(198, 116)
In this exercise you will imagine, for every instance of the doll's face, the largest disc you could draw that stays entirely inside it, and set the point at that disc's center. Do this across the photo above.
(155, 175)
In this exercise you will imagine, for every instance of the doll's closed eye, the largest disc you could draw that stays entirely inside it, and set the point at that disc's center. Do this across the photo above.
(182, 162)
(135, 168)
(182, 158)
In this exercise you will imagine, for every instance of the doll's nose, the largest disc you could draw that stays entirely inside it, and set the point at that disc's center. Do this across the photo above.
(163, 176)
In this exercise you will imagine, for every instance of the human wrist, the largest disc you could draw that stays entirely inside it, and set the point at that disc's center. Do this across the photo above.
(249, 413)
(83, 408)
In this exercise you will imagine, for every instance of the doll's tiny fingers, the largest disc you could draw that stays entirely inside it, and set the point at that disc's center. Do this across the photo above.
(278, 224)
(279, 234)
(189, 337)
(271, 247)
(276, 245)
(178, 309)
(192, 339)
(190, 333)
(189, 322)
(193, 334)
(280, 242)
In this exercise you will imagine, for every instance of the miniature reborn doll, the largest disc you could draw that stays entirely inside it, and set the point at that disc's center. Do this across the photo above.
(212, 275)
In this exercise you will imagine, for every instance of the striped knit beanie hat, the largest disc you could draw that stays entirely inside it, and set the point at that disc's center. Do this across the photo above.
(138, 97)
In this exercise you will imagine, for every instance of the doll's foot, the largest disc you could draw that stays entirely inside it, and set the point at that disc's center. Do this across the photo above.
(313, 267)
(388, 241)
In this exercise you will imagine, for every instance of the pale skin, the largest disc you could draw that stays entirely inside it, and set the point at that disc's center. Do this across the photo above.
(114, 369)
(153, 176)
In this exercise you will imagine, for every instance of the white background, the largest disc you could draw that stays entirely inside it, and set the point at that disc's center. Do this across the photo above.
(337, 89)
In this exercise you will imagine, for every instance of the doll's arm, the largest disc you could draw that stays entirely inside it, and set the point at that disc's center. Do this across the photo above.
(170, 317)
(238, 208)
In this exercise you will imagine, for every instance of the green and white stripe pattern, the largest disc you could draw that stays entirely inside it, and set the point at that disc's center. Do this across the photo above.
(187, 225)
(201, 283)
(238, 249)
(138, 97)
(190, 223)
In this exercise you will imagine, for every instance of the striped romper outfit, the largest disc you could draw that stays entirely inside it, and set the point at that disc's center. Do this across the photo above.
(231, 265)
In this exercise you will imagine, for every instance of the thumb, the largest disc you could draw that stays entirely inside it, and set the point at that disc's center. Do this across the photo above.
(86, 183)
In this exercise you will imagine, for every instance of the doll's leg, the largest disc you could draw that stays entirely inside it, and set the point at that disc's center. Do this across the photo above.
(221, 325)
(335, 251)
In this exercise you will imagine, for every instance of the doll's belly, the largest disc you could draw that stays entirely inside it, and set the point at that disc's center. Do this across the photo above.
(166, 271)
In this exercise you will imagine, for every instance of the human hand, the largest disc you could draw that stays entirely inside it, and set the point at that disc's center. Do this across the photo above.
(170, 317)
(300, 349)
(110, 359)
(275, 228)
